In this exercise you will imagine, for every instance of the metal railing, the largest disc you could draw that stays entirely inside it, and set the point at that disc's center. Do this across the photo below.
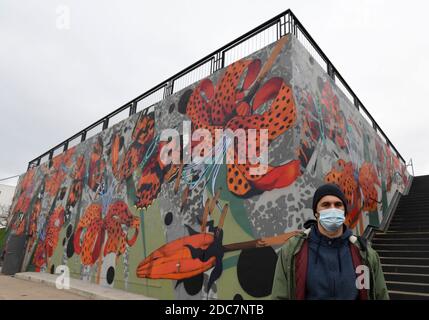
(370, 230)
(257, 38)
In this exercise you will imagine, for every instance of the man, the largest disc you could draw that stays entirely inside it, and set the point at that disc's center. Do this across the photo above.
(325, 261)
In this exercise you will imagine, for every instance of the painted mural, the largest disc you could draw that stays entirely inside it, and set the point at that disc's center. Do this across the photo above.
(116, 215)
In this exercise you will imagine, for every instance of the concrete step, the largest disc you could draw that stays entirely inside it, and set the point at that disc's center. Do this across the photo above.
(408, 287)
(410, 228)
(409, 223)
(416, 195)
(404, 295)
(405, 261)
(403, 253)
(416, 192)
(409, 218)
(418, 189)
(413, 204)
(405, 218)
(401, 246)
(413, 201)
(405, 241)
(415, 269)
(410, 212)
(406, 277)
(412, 207)
(400, 235)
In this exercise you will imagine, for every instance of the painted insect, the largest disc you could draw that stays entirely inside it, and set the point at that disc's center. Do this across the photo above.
(143, 153)
(229, 106)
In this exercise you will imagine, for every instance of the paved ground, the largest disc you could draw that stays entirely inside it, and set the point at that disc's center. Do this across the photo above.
(80, 287)
(14, 289)
(42, 286)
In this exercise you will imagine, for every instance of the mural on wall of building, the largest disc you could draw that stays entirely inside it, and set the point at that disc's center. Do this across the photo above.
(117, 215)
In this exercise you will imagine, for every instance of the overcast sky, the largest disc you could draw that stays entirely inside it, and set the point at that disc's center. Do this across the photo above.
(54, 82)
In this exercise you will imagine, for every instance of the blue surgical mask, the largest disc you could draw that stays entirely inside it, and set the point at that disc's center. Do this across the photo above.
(331, 219)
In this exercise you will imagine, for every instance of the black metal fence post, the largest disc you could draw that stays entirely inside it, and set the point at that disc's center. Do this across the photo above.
(217, 62)
(105, 124)
(356, 102)
(133, 108)
(330, 70)
(168, 89)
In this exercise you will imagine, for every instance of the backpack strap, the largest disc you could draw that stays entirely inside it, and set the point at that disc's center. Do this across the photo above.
(363, 243)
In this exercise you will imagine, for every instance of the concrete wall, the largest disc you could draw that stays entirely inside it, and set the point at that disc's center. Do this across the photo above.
(112, 212)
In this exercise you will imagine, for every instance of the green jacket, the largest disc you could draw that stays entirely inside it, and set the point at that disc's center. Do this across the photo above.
(284, 277)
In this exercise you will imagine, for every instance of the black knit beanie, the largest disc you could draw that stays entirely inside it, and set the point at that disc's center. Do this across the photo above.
(328, 190)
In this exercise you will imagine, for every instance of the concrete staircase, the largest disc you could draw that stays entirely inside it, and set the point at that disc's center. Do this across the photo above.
(404, 248)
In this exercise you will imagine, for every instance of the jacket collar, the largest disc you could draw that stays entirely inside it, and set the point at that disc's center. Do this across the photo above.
(352, 238)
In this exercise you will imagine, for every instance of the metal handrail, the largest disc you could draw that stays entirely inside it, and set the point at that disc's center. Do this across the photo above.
(388, 215)
(370, 230)
(286, 23)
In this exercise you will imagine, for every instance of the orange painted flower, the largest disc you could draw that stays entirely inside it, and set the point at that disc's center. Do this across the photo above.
(96, 165)
(333, 117)
(22, 205)
(37, 208)
(76, 187)
(45, 248)
(91, 229)
(232, 104)
(368, 179)
(142, 136)
(56, 221)
(342, 174)
(56, 173)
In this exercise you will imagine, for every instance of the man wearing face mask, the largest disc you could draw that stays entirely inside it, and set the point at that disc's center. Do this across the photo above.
(324, 261)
